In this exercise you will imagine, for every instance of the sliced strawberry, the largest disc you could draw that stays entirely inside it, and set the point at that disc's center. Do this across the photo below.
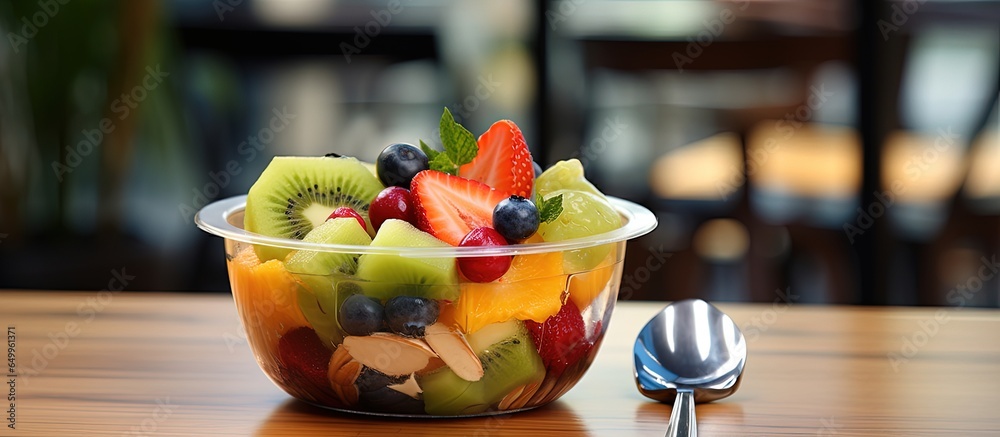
(448, 207)
(561, 341)
(503, 161)
(304, 361)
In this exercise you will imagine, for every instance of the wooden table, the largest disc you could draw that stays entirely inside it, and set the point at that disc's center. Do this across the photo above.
(176, 364)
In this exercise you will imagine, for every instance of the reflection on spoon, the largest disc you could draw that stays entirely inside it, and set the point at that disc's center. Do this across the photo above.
(688, 353)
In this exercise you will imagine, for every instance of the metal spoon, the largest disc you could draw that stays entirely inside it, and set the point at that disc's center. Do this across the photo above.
(688, 353)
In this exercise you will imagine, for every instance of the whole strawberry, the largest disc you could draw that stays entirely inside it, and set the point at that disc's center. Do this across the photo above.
(562, 340)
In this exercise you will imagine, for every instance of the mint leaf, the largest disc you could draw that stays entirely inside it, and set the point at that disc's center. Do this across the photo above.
(443, 163)
(460, 146)
(430, 152)
(549, 210)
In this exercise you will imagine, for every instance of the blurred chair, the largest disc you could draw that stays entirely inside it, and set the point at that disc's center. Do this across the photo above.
(702, 183)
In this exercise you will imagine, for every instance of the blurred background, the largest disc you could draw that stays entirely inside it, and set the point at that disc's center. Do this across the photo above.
(815, 151)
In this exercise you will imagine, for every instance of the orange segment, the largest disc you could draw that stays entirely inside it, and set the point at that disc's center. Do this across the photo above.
(532, 289)
(585, 286)
(265, 295)
(447, 314)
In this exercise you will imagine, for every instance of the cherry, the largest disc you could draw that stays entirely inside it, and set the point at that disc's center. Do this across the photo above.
(391, 203)
(485, 268)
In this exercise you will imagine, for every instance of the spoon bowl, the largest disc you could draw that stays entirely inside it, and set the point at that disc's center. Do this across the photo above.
(691, 352)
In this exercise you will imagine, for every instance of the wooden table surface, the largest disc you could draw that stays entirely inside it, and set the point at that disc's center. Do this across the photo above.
(176, 364)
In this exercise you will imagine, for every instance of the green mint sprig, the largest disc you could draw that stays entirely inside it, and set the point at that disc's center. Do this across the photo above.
(549, 209)
(460, 146)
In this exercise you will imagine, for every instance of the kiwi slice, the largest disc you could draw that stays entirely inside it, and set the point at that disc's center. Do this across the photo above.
(320, 298)
(337, 231)
(389, 275)
(296, 194)
(509, 361)
(324, 276)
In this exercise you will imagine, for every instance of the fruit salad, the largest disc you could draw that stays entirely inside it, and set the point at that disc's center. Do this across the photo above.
(380, 319)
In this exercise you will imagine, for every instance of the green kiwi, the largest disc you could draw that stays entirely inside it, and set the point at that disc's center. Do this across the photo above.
(320, 298)
(296, 194)
(509, 360)
(344, 230)
(323, 274)
(388, 275)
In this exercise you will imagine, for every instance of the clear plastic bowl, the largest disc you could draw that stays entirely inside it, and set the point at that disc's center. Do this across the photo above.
(522, 330)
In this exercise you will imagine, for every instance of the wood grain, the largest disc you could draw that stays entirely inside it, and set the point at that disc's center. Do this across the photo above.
(176, 364)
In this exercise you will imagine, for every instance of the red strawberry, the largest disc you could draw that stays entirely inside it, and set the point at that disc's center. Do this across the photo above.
(561, 340)
(304, 362)
(448, 207)
(503, 161)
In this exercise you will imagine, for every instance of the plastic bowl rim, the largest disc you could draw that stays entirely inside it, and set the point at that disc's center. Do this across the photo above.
(214, 219)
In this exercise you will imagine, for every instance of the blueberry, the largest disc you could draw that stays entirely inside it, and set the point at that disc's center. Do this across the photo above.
(408, 315)
(399, 163)
(515, 218)
(387, 400)
(360, 315)
(537, 168)
(370, 380)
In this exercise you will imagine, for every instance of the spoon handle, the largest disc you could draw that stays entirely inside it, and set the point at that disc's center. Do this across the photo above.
(682, 420)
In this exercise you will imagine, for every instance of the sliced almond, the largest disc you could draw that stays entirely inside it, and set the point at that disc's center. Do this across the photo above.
(543, 391)
(408, 387)
(510, 398)
(390, 354)
(432, 365)
(455, 351)
(344, 369)
(343, 372)
(520, 396)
